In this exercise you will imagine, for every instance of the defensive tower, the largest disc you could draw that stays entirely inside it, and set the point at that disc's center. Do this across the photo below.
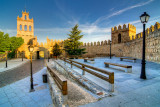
(122, 35)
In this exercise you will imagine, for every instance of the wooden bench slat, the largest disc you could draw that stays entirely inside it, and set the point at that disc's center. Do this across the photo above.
(94, 68)
(96, 74)
(110, 79)
(60, 81)
(120, 65)
(129, 58)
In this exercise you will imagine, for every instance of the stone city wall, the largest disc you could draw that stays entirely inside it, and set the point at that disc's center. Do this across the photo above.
(132, 48)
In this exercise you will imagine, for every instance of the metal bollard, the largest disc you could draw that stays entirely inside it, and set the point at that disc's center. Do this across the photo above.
(83, 72)
(44, 78)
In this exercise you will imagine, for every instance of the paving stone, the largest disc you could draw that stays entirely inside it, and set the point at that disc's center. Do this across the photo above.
(7, 104)
(14, 100)
(19, 73)
(3, 100)
(18, 104)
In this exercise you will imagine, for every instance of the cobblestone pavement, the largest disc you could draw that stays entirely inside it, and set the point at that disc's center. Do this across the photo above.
(20, 72)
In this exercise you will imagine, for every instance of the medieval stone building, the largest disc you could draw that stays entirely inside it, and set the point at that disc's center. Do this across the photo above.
(25, 29)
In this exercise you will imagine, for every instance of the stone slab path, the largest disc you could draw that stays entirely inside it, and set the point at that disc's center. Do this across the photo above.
(17, 94)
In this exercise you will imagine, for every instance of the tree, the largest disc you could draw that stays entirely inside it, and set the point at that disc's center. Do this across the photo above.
(4, 42)
(9, 43)
(56, 50)
(72, 44)
(16, 42)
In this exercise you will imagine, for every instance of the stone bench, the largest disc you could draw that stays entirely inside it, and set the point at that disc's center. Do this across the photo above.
(128, 68)
(134, 59)
(58, 88)
(89, 59)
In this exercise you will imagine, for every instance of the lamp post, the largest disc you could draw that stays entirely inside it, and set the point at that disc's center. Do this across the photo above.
(110, 49)
(48, 56)
(22, 55)
(6, 58)
(31, 48)
(144, 19)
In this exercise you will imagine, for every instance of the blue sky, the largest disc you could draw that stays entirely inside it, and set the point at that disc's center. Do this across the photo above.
(55, 18)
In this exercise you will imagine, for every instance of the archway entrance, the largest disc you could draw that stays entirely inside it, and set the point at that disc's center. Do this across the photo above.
(38, 55)
(41, 54)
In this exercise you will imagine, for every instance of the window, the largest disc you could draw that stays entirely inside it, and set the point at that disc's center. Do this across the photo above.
(25, 17)
(20, 27)
(30, 28)
(119, 38)
(25, 27)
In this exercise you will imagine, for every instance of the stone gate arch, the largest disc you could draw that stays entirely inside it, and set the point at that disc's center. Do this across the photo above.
(41, 52)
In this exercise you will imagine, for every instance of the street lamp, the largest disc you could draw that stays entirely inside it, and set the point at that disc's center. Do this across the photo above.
(31, 48)
(110, 49)
(22, 55)
(48, 56)
(6, 57)
(144, 19)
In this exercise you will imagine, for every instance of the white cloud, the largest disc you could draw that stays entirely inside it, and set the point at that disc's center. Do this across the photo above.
(90, 29)
(11, 32)
(95, 38)
(121, 11)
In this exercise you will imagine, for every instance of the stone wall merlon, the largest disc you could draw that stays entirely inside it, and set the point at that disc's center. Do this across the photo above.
(123, 28)
(97, 43)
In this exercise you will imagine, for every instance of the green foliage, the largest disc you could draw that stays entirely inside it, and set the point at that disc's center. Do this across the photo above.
(16, 42)
(4, 42)
(72, 44)
(56, 50)
(11, 54)
(9, 43)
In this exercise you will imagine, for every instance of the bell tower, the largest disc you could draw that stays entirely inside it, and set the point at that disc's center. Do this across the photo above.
(25, 27)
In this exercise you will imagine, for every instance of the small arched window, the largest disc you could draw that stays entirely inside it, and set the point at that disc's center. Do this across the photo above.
(30, 28)
(119, 38)
(25, 17)
(25, 27)
(20, 27)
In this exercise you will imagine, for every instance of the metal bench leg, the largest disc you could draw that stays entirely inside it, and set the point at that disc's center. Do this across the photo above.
(134, 61)
(92, 62)
(106, 65)
(111, 87)
(128, 70)
(83, 72)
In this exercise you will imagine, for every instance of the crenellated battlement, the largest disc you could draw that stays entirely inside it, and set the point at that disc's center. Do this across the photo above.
(130, 26)
(98, 43)
(131, 34)
(148, 31)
